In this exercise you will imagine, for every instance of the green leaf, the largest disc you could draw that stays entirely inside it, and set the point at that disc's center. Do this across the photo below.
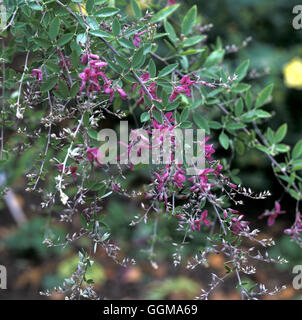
(201, 122)
(65, 39)
(89, 5)
(81, 38)
(263, 114)
(138, 57)
(186, 124)
(270, 136)
(168, 69)
(248, 99)
(49, 84)
(282, 148)
(126, 43)
(43, 43)
(240, 87)
(224, 140)
(92, 22)
(54, 28)
(106, 12)
(136, 9)
(281, 133)
(235, 126)
(157, 115)
(192, 41)
(189, 21)
(93, 134)
(239, 107)
(164, 13)
(214, 58)
(239, 146)
(184, 115)
(116, 28)
(145, 117)
(296, 165)
(152, 68)
(100, 33)
(170, 31)
(262, 148)
(242, 69)
(264, 96)
(122, 62)
(86, 118)
(297, 151)
(215, 125)
(62, 90)
(74, 89)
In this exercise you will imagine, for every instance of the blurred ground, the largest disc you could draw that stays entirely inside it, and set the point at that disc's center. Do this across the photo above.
(32, 267)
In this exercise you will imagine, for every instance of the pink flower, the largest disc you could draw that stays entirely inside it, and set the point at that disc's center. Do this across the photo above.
(137, 39)
(238, 224)
(108, 89)
(184, 88)
(84, 59)
(197, 223)
(122, 93)
(179, 178)
(37, 73)
(171, 2)
(272, 215)
(94, 155)
(208, 149)
(72, 170)
(68, 64)
(296, 229)
(90, 75)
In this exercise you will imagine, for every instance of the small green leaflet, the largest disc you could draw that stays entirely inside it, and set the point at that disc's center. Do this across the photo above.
(189, 21)
(136, 9)
(168, 69)
(224, 140)
(49, 84)
(54, 28)
(264, 96)
(164, 13)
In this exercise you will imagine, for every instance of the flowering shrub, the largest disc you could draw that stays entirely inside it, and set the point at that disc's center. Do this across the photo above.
(87, 62)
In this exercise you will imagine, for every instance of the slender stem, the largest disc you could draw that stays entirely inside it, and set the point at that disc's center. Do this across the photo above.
(18, 113)
(47, 144)
(11, 21)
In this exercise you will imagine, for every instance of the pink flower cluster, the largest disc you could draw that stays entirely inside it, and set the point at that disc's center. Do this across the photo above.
(37, 73)
(152, 87)
(237, 224)
(163, 179)
(197, 223)
(171, 2)
(91, 74)
(137, 39)
(72, 170)
(273, 214)
(295, 231)
(186, 82)
(94, 155)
